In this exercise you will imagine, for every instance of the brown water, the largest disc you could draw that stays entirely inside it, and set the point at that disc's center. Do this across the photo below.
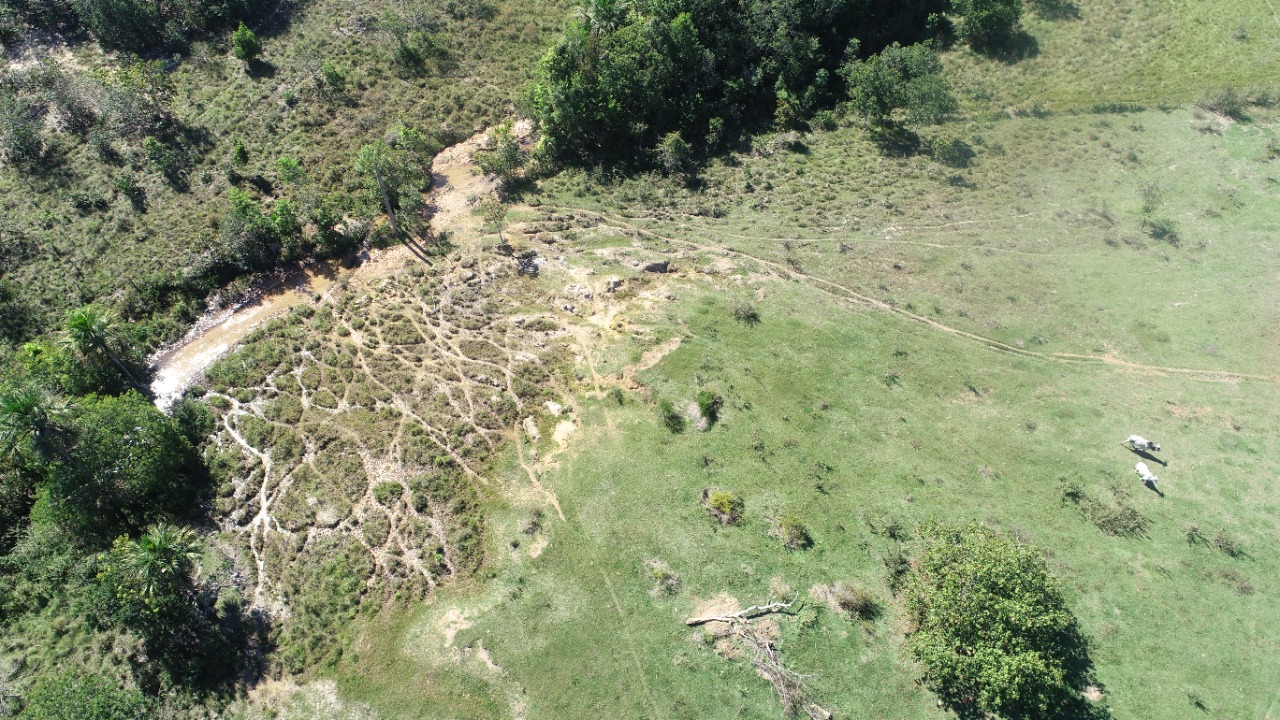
(221, 331)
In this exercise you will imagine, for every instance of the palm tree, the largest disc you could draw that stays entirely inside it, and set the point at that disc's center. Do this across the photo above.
(602, 16)
(30, 421)
(93, 333)
(160, 559)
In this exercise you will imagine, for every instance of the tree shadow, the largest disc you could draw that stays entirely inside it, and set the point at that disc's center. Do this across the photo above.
(1018, 46)
(895, 140)
(1056, 9)
(260, 69)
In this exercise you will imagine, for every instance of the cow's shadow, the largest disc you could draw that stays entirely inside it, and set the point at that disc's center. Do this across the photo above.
(1146, 455)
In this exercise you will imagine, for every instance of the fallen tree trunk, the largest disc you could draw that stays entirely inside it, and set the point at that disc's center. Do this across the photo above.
(752, 612)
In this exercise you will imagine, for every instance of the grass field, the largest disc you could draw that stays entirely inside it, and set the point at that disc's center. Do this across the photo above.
(958, 324)
(1147, 53)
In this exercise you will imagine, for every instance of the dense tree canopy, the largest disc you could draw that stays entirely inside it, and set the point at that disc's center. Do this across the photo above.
(991, 626)
(627, 75)
(128, 465)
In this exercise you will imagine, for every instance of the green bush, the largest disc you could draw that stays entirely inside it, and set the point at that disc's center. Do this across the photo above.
(671, 417)
(709, 404)
(792, 531)
(990, 625)
(245, 45)
(724, 506)
(388, 493)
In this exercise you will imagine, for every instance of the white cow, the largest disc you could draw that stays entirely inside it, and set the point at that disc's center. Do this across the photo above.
(1140, 443)
(1145, 473)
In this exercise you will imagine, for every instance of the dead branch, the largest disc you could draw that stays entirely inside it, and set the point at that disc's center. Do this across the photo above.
(754, 611)
(790, 685)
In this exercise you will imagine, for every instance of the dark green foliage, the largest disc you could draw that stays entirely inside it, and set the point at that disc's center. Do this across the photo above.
(79, 696)
(628, 75)
(901, 78)
(136, 25)
(709, 404)
(988, 24)
(128, 465)
(991, 627)
(505, 159)
(244, 45)
(671, 417)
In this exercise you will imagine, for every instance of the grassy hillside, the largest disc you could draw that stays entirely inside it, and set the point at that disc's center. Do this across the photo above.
(1087, 52)
(924, 350)
(450, 488)
(69, 216)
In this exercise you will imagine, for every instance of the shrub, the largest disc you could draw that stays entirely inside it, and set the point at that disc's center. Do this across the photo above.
(855, 600)
(1227, 545)
(245, 45)
(792, 532)
(990, 625)
(1224, 101)
(671, 417)
(709, 404)
(1163, 229)
(665, 581)
(723, 506)
(746, 314)
(387, 493)
(988, 24)
(1194, 536)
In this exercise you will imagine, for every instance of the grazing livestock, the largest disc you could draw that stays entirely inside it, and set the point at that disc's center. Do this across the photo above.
(1141, 443)
(1145, 473)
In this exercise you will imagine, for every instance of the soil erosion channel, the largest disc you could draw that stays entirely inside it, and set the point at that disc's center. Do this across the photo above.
(456, 183)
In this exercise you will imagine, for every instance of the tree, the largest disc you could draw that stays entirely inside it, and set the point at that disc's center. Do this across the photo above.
(898, 78)
(157, 563)
(245, 45)
(398, 169)
(32, 422)
(495, 214)
(505, 159)
(988, 24)
(990, 625)
(96, 337)
(128, 466)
